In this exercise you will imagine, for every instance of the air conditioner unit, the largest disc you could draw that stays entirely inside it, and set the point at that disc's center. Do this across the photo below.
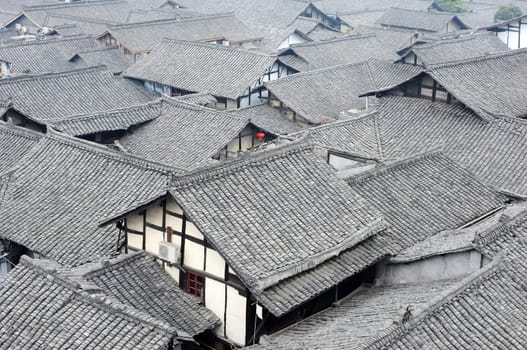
(46, 30)
(24, 29)
(169, 252)
(18, 26)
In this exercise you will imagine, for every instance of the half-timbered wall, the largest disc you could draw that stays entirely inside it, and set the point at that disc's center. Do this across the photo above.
(245, 140)
(425, 87)
(220, 291)
(293, 38)
(514, 34)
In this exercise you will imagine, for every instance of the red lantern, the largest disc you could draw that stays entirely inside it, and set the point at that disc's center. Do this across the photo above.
(260, 135)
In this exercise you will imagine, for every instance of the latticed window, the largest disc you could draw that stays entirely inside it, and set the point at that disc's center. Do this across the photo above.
(194, 285)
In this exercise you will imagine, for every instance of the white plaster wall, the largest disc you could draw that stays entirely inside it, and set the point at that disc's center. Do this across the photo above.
(293, 38)
(152, 239)
(174, 222)
(172, 205)
(135, 222)
(192, 230)
(236, 316)
(194, 255)
(439, 267)
(215, 300)
(135, 241)
(215, 265)
(173, 272)
(154, 216)
(340, 162)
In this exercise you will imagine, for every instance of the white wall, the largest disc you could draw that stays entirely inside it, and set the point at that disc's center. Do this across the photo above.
(438, 267)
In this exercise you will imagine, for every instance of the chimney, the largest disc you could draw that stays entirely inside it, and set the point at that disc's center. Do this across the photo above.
(169, 234)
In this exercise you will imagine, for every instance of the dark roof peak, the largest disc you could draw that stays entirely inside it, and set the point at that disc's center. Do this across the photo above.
(244, 160)
(172, 20)
(106, 152)
(42, 76)
(490, 56)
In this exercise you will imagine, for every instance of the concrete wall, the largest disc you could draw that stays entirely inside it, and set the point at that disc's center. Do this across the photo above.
(438, 267)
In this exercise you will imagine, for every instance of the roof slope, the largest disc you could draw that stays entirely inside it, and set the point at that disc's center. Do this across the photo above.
(117, 119)
(15, 142)
(332, 93)
(268, 118)
(425, 195)
(111, 57)
(60, 190)
(38, 306)
(44, 56)
(486, 312)
(146, 35)
(493, 151)
(351, 49)
(184, 135)
(356, 319)
(198, 67)
(489, 85)
(419, 20)
(140, 281)
(462, 48)
(263, 231)
(89, 90)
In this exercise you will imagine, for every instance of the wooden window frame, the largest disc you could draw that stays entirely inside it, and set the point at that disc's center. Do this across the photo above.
(195, 285)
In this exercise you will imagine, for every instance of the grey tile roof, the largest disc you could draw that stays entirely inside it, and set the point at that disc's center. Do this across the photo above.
(269, 119)
(112, 120)
(197, 67)
(253, 211)
(184, 135)
(417, 20)
(353, 321)
(336, 6)
(296, 290)
(111, 57)
(251, 12)
(42, 309)
(462, 48)
(351, 49)
(493, 151)
(486, 311)
(332, 93)
(315, 29)
(425, 195)
(44, 56)
(356, 136)
(489, 85)
(140, 281)
(145, 36)
(59, 191)
(445, 242)
(88, 90)
(198, 98)
(15, 142)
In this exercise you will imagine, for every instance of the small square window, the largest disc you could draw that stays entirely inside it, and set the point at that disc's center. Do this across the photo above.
(195, 285)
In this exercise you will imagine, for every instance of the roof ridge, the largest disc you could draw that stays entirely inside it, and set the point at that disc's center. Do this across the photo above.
(334, 124)
(90, 3)
(173, 20)
(386, 167)
(491, 56)
(198, 108)
(444, 14)
(80, 18)
(440, 42)
(214, 47)
(323, 42)
(315, 71)
(433, 305)
(97, 49)
(101, 301)
(93, 270)
(108, 112)
(495, 231)
(244, 160)
(12, 44)
(106, 152)
(19, 131)
(50, 75)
